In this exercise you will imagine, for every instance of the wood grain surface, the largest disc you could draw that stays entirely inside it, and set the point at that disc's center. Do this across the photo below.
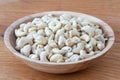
(108, 66)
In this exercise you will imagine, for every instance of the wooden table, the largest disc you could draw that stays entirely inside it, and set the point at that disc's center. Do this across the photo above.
(108, 67)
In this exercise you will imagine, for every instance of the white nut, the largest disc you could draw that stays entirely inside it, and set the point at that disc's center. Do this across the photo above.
(65, 17)
(68, 54)
(54, 25)
(67, 49)
(32, 29)
(61, 41)
(100, 38)
(73, 32)
(37, 48)
(41, 32)
(52, 43)
(48, 48)
(73, 58)
(58, 33)
(83, 54)
(56, 58)
(26, 50)
(89, 30)
(43, 56)
(23, 41)
(20, 32)
(34, 56)
(93, 42)
(41, 25)
(48, 32)
(85, 37)
(88, 47)
(57, 51)
(98, 32)
(40, 39)
(72, 41)
(100, 45)
(68, 27)
(80, 46)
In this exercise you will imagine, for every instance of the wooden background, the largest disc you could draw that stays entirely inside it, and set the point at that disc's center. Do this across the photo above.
(108, 67)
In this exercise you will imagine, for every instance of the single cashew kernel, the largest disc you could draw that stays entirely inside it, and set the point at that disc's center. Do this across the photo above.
(57, 51)
(100, 45)
(34, 56)
(61, 41)
(43, 56)
(26, 50)
(22, 42)
(40, 39)
(88, 47)
(52, 43)
(56, 58)
(73, 58)
(89, 30)
(67, 49)
(85, 37)
(68, 54)
(20, 32)
(48, 32)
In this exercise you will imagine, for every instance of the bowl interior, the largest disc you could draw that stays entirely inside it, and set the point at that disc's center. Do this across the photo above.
(10, 38)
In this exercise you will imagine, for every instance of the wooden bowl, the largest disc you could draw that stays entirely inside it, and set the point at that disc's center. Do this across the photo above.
(68, 67)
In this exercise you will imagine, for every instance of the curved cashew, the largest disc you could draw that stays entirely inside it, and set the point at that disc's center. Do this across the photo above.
(72, 41)
(52, 43)
(40, 39)
(41, 32)
(34, 56)
(36, 20)
(37, 48)
(61, 41)
(26, 50)
(100, 38)
(67, 27)
(56, 58)
(58, 33)
(85, 37)
(98, 32)
(100, 45)
(79, 47)
(43, 56)
(89, 47)
(20, 32)
(65, 17)
(32, 29)
(93, 42)
(54, 25)
(73, 32)
(41, 25)
(83, 54)
(23, 41)
(48, 48)
(73, 58)
(30, 35)
(57, 51)
(22, 25)
(67, 49)
(68, 54)
(48, 32)
(27, 26)
(89, 30)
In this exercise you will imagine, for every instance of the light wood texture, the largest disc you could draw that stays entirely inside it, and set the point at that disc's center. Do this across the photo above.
(108, 66)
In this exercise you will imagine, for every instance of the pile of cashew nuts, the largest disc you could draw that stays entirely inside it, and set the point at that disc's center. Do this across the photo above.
(62, 38)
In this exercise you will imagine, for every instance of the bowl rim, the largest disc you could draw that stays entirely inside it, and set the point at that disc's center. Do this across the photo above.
(17, 54)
